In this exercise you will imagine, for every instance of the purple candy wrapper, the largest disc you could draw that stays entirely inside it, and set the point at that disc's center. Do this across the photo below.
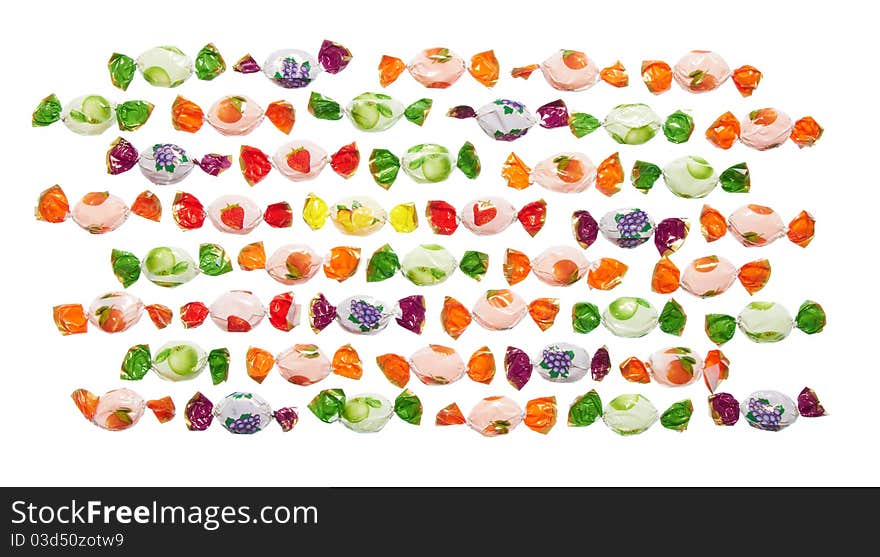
(600, 365)
(246, 64)
(553, 115)
(321, 313)
(809, 405)
(198, 413)
(585, 228)
(333, 57)
(412, 313)
(518, 367)
(724, 408)
(461, 112)
(121, 157)
(670, 234)
(214, 164)
(286, 417)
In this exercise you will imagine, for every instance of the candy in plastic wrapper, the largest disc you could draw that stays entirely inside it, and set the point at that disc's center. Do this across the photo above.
(495, 415)
(567, 172)
(284, 314)
(615, 75)
(235, 115)
(585, 409)
(383, 264)
(162, 66)
(116, 410)
(672, 318)
(395, 368)
(757, 225)
(427, 163)
(675, 367)
(716, 368)
(282, 115)
(724, 131)
(136, 363)
(541, 414)
(504, 119)
(367, 315)
(570, 70)
(303, 364)
(560, 266)
(258, 363)
(436, 68)
(487, 216)
(553, 114)
(243, 413)
(408, 407)
(629, 414)
(634, 370)
(700, 71)
(630, 317)
(160, 315)
(218, 365)
(518, 367)
(165, 163)
(328, 405)
(765, 128)
(678, 415)
(428, 264)
(300, 160)
(99, 212)
(585, 228)
(609, 175)
(115, 312)
(437, 365)
(347, 362)
(374, 112)
(600, 364)
(179, 360)
(806, 132)
(188, 211)
(723, 409)
(543, 312)
(670, 234)
(291, 68)
(358, 216)
(562, 362)
(678, 127)
(84, 115)
(499, 310)
(454, 317)
(169, 266)
(234, 214)
(657, 76)
(366, 413)
(293, 264)
(632, 124)
(771, 322)
(517, 266)
(708, 276)
(418, 111)
(286, 417)
(237, 311)
(627, 228)
(193, 314)
(808, 404)
(584, 317)
(474, 264)
(441, 217)
(690, 177)
(769, 410)
(163, 409)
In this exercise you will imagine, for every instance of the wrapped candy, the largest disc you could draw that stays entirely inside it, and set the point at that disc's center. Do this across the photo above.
(179, 361)
(543, 312)
(678, 416)
(427, 163)
(606, 273)
(374, 112)
(502, 119)
(629, 414)
(162, 66)
(657, 76)
(765, 128)
(243, 413)
(570, 70)
(303, 364)
(495, 415)
(96, 212)
(770, 322)
(435, 68)
(162, 163)
(282, 115)
(756, 225)
(560, 266)
(630, 317)
(809, 405)
(675, 367)
(116, 410)
(358, 216)
(769, 410)
(237, 311)
(428, 264)
(235, 214)
(710, 276)
(690, 177)
(567, 172)
(342, 262)
(700, 71)
(585, 409)
(678, 127)
(92, 114)
(437, 365)
(806, 132)
(487, 216)
(367, 315)
(293, 264)
(517, 367)
(113, 312)
(723, 409)
(293, 69)
(499, 310)
(541, 414)
(562, 362)
(169, 266)
(632, 124)
(235, 115)
(300, 160)
(366, 413)
(627, 228)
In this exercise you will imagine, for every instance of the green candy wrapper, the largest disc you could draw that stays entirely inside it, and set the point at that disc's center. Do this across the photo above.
(47, 112)
(323, 108)
(131, 115)
(408, 407)
(585, 317)
(418, 111)
(736, 179)
(121, 69)
(328, 405)
(126, 267)
(468, 161)
(720, 328)
(213, 260)
(383, 264)
(474, 264)
(678, 127)
(810, 318)
(137, 363)
(673, 318)
(384, 166)
(218, 364)
(209, 64)
(582, 124)
(585, 410)
(644, 174)
(678, 416)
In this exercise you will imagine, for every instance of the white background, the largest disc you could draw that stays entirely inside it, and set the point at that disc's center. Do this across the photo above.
(812, 64)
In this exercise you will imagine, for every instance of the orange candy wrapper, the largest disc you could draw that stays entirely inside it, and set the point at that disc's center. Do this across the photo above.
(347, 363)
(52, 205)
(186, 115)
(390, 69)
(481, 366)
(609, 175)
(541, 414)
(713, 225)
(148, 206)
(485, 68)
(666, 277)
(754, 275)
(252, 257)
(259, 363)
(282, 115)
(806, 132)
(342, 262)
(615, 75)
(450, 415)
(454, 317)
(517, 266)
(746, 78)
(516, 172)
(70, 319)
(633, 369)
(163, 409)
(606, 273)
(724, 131)
(160, 315)
(395, 368)
(544, 311)
(657, 76)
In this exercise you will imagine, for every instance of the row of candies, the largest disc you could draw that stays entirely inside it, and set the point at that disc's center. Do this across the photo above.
(502, 119)
(627, 414)
(698, 71)
(239, 311)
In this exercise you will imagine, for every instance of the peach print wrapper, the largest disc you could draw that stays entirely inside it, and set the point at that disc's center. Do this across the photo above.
(495, 415)
(437, 365)
(116, 410)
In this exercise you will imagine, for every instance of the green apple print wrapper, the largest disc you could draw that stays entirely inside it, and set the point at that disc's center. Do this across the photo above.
(374, 112)
(161, 66)
(179, 361)
(630, 317)
(629, 414)
(764, 322)
(169, 266)
(366, 413)
(428, 264)
(427, 163)
(690, 177)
